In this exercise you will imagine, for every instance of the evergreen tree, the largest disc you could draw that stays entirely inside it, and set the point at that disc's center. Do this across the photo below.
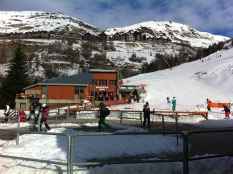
(16, 79)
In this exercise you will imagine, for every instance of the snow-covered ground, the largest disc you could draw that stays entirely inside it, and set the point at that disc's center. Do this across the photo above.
(144, 51)
(97, 147)
(86, 148)
(191, 83)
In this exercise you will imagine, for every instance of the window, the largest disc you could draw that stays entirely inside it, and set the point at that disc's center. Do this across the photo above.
(103, 82)
(94, 82)
(79, 91)
(44, 90)
(113, 82)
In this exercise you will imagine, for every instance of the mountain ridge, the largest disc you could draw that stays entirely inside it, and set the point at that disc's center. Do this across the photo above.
(39, 21)
(67, 43)
(168, 30)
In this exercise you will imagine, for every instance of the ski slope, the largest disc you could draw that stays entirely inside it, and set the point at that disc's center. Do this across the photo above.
(191, 83)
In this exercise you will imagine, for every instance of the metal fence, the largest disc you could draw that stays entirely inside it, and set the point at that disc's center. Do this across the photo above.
(184, 136)
(185, 157)
(69, 151)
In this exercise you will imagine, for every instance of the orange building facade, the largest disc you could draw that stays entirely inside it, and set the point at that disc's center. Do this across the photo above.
(95, 84)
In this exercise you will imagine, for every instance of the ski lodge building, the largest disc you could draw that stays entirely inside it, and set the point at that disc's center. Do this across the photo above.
(93, 84)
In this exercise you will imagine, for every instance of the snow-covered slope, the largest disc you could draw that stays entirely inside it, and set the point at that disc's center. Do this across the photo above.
(191, 83)
(34, 21)
(168, 30)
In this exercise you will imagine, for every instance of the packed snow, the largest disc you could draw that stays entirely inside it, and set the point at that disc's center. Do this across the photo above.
(85, 148)
(191, 83)
(97, 147)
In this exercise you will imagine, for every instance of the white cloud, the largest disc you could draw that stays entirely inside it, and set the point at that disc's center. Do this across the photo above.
(207, 15)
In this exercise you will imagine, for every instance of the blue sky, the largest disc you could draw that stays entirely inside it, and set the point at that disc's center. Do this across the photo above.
(215, 16)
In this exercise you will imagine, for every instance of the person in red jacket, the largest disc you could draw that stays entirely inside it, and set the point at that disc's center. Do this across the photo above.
(44, 118)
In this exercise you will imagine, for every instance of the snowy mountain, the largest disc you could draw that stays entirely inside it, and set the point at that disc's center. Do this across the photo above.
(36, 21)
(165, 30)
(55, 43)
(191, 83)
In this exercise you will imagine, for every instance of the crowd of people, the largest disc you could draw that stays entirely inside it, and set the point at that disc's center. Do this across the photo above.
(39, 113)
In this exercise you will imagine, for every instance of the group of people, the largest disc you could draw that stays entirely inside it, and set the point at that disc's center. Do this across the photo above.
(226, 108)
(172, 103)
(147, 111)
(134, 96)
(39, 112)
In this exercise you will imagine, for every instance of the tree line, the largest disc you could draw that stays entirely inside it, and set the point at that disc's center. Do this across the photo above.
(164, 61)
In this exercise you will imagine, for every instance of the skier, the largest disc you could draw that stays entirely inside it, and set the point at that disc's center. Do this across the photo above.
(44, 118)
(168, 100)
(136, 95)
(208, 104)
(37, 115)
(173, 104)
(227, 111)
(146, 115)
(103, 113)
(6, 113)
(34, 104)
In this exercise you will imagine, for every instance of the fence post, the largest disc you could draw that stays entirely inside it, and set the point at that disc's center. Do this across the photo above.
(141, 119)
(18, 127)
(185, 153)
(163, 123)
(177, 137)
(69, 155)
(58, 110)
(68, 112)
(121, 117)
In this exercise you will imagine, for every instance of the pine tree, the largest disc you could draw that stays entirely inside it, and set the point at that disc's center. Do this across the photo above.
(16, 79)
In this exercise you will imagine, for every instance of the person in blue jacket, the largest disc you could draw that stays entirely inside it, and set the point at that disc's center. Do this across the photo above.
(173, 104)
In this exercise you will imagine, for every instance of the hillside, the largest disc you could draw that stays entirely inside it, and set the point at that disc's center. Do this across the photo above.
(36, 21)
(191, 83)
(167, 31)
(57, 44)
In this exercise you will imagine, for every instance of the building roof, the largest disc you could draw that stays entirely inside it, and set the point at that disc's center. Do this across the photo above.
(82, 79)
(102, 70)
